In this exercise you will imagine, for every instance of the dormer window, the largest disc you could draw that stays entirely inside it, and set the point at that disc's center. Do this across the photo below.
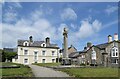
(25, 43)
(43, 45)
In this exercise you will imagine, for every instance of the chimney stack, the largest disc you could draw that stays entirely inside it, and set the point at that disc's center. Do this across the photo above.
(89, 44)
(109, 38)
(116, 37)
(31, 39)
(47, 41)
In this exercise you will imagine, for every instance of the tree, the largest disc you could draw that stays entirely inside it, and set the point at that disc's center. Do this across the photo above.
(8, 56)
(1, 55)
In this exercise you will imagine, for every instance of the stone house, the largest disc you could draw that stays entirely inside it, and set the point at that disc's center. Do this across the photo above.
(70, 50)
(30, 51)
(106, 54)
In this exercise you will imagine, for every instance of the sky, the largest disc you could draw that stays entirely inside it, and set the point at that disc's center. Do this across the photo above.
(85, 21)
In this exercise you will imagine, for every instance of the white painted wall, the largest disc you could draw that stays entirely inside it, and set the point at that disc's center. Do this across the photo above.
(48, 55)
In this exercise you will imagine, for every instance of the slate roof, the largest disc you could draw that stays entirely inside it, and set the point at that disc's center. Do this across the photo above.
(104, 45)
(35, 43)
(100, 46)
(76, 54)
(68, 48)
(71, 47)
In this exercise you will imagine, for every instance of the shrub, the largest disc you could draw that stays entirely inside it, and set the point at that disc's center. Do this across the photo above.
(82, 64)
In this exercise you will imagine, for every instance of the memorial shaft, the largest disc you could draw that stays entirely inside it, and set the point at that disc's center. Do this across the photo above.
(65, 34)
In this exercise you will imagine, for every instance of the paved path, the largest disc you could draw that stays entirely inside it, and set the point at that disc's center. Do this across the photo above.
(46, 72)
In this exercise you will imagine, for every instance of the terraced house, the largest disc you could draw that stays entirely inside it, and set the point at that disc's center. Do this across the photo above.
(30, 51)
(106, 54)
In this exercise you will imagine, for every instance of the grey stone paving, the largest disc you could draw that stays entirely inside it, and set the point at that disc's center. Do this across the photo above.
(46, 72)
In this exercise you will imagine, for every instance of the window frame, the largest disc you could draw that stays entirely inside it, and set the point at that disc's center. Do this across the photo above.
(26, 43)
(44, 60)
(53, 53)
(26, 53)
(44, 53)
(53, 61)
(94, 55)
(114, 52)
(25, 61)
(35, 55)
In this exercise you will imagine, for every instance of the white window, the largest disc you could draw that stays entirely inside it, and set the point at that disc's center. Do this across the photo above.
(53, 53)
(25, 43)
(83, 56)
(26, 61)
(53, 60)
(93, 55)
(116, 61)
(114, 52)
(35, 56)
(43, 53)
(43, 60)
(25, 52)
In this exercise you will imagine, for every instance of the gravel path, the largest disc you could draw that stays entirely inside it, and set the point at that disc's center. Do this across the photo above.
(46, 72)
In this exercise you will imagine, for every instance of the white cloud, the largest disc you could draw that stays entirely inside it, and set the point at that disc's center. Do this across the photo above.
(35, 25)
(68, 14)
(36, 14)
(22, 29)
(88, 28)
(111, 9)
(38, 27)
(96, 25)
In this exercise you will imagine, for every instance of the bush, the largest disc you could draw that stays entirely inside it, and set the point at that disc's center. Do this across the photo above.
(8, 56)
(82, 64)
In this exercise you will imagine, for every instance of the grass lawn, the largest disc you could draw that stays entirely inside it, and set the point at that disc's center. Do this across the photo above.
(92, 72)
(23, 71)
(47, 64)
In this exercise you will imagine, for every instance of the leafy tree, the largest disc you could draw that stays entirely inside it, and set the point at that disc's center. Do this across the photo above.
(8, 55)
(0, 55)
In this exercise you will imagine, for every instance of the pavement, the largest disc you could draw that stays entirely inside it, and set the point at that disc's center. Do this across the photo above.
(46, 72)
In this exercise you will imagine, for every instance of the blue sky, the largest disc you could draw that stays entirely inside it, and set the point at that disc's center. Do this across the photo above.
(85, 21)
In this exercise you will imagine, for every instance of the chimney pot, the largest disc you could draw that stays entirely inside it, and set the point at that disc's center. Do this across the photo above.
(109, 38)
(116, 37)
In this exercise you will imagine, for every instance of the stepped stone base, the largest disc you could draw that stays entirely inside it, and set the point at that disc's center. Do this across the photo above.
(66, 61)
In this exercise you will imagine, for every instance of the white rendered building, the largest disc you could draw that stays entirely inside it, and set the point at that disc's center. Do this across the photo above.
(30, 51)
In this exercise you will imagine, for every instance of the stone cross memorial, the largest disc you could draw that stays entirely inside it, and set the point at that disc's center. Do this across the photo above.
(65, 60)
